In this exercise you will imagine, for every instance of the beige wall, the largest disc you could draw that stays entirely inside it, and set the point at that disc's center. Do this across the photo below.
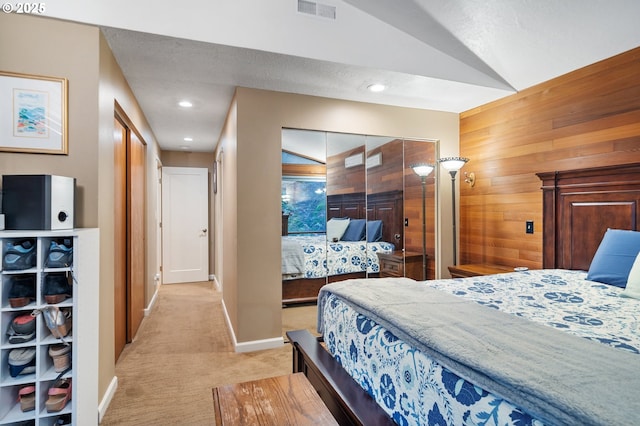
(114, 88)
(44, 47)
(251, 158)
(80, 54)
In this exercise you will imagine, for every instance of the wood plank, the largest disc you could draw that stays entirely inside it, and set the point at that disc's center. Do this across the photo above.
(282, 400)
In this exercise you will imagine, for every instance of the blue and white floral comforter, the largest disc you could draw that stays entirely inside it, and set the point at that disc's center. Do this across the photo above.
(323, 258)
(416, 390)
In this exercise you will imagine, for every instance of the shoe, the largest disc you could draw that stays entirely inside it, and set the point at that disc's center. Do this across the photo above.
(22, 329)
(64, 419)
(56, 288)
(61, 356)
(19, 255)
(60, 254)
(22, 290)
(22, 361)
(58, 320)
(59, 395)
(27, 398)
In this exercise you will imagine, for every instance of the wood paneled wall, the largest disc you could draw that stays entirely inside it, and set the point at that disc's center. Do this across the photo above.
(587, 118)
(342, 180)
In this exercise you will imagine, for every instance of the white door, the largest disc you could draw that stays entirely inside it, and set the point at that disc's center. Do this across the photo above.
(185, 219)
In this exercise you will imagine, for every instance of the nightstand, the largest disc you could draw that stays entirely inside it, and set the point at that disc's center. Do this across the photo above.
(477, 269)
(399, 264)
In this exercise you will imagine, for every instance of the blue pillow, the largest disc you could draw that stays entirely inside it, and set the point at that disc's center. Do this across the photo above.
(374, 231)
(355, 230)
(614, 258)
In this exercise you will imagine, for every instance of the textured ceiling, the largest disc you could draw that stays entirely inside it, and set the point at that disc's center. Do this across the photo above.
(443, 55)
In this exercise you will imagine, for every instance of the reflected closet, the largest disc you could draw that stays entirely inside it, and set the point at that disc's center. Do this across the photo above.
(360, 213)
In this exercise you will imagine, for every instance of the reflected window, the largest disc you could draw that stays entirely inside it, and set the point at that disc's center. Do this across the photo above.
(303, 197)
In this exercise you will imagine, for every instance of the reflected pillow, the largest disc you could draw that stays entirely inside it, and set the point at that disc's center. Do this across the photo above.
(374, 231)
(633, 282)
(613, 260)
(355, 231)
(336, 228)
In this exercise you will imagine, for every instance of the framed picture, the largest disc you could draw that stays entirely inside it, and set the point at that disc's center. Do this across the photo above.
(33, 113)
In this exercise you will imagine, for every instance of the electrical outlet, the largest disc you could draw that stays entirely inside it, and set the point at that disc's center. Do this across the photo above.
(529, 227)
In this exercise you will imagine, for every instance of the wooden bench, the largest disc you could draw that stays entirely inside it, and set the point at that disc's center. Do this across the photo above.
(283, 400)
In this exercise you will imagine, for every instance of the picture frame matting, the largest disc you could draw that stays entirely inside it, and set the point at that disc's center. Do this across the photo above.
(33, 113)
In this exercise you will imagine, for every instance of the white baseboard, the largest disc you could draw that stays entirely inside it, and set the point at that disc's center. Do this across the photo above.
(106, 399)
(259, 345)
(254, 345)
(229, 326)
(216, 283)
(148, 309)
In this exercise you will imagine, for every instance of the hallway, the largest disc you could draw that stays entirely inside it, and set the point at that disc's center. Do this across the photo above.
(183, 350)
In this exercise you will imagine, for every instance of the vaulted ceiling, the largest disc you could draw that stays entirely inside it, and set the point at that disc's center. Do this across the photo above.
(443, 55)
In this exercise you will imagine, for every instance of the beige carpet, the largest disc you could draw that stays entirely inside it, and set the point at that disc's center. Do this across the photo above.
(181, 352)
(297, 317)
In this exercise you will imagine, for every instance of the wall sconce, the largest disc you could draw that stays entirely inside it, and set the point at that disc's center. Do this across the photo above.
(470, 178)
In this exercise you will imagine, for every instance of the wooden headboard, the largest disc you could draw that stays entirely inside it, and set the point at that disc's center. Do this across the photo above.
(579, 206)
(385, 206)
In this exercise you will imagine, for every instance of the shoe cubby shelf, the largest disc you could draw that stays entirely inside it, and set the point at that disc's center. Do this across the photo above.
(62, 297)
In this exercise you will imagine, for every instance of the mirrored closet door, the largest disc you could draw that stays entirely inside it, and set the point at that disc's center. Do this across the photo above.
(352, 207)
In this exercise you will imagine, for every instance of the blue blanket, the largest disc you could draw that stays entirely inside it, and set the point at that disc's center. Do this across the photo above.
(556, 377)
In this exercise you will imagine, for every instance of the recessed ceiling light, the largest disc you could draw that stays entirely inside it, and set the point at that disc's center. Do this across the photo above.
(185, 104)
(187, 139)
(377, 87)
(185, 147)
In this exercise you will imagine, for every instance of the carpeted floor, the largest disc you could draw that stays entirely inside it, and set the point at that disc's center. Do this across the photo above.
(182, 351)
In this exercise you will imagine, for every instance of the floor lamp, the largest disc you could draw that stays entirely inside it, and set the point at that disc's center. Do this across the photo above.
(452, 165)
(423, 170)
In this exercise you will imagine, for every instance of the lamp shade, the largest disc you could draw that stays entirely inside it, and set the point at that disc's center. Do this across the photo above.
(422, 169)
(453, 163)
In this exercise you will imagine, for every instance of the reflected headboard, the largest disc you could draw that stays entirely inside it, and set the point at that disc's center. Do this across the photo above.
(579, 206)
(384, 206)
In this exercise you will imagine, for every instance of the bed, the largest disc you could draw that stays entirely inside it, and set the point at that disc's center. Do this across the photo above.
(577, 365)
(312, 256)
(310, 261)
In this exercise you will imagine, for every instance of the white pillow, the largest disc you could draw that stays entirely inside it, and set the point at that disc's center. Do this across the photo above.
(633, 282)
(336, 228)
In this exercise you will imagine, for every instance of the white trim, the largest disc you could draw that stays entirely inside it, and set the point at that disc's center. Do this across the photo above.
(254, 345)
(258, 345)
(148, 309)
(229, 326)
(216, 284)
(106, 399)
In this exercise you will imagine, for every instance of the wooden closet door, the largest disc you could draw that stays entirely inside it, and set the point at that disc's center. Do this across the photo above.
(136, 233)
(129, 238)
(120, 236)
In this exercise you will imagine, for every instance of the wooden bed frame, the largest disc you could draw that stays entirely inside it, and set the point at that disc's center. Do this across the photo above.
(385, 206)
(578, 207)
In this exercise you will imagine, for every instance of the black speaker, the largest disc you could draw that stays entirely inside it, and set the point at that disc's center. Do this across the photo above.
(38, 202)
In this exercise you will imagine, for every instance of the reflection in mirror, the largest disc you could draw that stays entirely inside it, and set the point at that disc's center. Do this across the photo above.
(351, 209)
(384, 204)
(304, 214)
(420, 228)
(346, 206)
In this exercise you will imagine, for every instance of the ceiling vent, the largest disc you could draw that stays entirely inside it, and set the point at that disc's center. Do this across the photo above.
(317, 9)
